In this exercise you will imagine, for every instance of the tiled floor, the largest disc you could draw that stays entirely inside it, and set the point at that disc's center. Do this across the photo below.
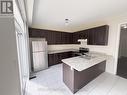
(49, 82)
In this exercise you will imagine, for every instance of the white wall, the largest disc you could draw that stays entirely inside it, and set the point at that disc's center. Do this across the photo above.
(113, 42)
(29, 10)
(60, 47)
(9, 69)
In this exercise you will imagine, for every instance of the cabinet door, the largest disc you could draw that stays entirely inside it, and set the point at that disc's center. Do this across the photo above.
(90, 37)
(80, 35)
(67, 38)
(58, 58)
(37, 33)
(76, 36)
(63, 38)
(50, 37)
(83, 34)
(98, 35)
(101, 35)
(43, 33)
(51, 59)
(68, 54)
(71, 38)
(57, 37)
(61, 56)
(54, 59)
(64, 55)
(34, 33)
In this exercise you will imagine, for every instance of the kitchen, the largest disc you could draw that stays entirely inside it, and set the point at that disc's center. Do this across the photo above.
(85, 62)
(55, 37)
(63, 47)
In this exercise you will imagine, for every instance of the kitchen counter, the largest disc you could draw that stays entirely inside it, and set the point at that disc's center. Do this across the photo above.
(61, 51)
(79, 63)
(79, 71)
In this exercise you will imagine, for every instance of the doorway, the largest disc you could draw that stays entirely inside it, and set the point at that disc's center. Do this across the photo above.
(122, 55)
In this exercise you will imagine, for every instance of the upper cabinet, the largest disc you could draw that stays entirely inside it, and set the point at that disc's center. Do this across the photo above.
(98, 35)
(76, 36)
(79, 35)
(94, 36)
(52, 37)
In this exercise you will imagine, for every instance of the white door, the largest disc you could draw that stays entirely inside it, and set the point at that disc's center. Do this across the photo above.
(23, 59)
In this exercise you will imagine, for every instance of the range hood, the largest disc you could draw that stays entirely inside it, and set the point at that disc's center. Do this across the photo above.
(82, 40)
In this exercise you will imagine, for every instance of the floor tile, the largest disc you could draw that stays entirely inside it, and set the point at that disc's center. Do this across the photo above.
(50, 82)
(120, 87)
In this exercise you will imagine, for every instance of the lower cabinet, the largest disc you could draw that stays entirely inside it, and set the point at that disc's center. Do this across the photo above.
(56, 58)
(51, 60)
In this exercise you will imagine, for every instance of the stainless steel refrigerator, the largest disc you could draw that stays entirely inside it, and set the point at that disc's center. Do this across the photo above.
(39, 55)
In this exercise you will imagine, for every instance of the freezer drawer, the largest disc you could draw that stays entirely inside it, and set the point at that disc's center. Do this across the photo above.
(40, 61)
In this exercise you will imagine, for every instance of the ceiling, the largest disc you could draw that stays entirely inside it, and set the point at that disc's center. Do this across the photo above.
(51, 14)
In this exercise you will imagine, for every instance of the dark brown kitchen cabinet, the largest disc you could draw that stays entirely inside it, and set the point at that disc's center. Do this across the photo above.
(52, 37)
(34, 34)
(51, 59)
(57, 38)
(95, 36)
(66, 38)
(83, 34)
(56, 58)
(76, 36)
(98, 35)
(79, 35)
(91, 38)
(63, 37)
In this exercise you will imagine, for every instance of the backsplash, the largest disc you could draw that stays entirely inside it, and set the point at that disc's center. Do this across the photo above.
(60, 47)
(103, 49)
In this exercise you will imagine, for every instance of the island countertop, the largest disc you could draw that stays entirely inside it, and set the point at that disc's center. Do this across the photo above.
(79, 63)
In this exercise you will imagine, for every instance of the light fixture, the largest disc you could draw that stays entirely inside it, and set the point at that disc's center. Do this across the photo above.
(66, 21)
(124, 26)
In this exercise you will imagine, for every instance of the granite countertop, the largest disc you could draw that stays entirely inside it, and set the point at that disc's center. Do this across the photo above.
(60, 51)
(79, 63)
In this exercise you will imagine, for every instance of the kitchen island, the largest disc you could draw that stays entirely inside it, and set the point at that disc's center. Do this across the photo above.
(79, 71)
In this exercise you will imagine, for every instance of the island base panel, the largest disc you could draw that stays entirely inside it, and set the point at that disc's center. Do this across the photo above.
(75, 80)
(68, 77)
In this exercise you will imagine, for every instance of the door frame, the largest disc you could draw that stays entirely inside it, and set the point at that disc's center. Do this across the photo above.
(117, 45)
